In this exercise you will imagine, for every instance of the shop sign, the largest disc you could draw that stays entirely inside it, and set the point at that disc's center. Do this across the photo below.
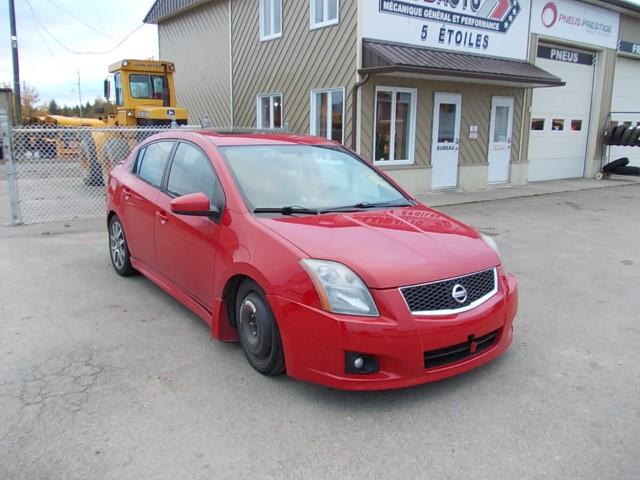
(575, 21)
(565, 55)
(497, 28)
(629, 47)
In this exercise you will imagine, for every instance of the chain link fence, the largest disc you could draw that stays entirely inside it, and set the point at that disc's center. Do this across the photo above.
(59, 173)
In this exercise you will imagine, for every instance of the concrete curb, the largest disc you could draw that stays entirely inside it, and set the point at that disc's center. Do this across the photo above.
(432, 200)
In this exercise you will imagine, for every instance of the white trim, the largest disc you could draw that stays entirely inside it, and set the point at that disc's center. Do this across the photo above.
(312, 117)
(270, 96)
(412, 125)
(324, 23)
(499, 101)
(272, 36)
(453, 311)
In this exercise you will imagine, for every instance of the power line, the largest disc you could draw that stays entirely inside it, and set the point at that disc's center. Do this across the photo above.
(72, 15)
(42, 37)
(77, 52)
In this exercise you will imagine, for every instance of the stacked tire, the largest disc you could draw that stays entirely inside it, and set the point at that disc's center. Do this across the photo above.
(622, 135)
(619, 167)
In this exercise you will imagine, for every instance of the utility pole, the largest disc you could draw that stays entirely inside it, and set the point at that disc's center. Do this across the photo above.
(79, 93)
(16, 63)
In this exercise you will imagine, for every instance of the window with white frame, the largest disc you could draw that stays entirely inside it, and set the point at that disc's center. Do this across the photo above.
(269, 107)
(327, 114)
(324, 12)
(395, 125)
(270, 19)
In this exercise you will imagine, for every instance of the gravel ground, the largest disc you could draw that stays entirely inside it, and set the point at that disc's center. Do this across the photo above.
(105, 377)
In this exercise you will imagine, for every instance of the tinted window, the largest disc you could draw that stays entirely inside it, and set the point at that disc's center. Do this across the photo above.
(138, 161)
(151, 166)
(191, 172)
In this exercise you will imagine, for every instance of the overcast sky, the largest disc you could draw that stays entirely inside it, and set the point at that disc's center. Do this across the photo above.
(94, 25)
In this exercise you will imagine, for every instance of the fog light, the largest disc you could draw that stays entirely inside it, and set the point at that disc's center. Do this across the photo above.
(360, 363)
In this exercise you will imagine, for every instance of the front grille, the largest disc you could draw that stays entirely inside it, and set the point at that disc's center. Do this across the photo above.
(456, 353)
(437, 297)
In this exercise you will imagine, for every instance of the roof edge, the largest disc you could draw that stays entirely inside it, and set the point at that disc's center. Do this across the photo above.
(153, 18)
(531, 82)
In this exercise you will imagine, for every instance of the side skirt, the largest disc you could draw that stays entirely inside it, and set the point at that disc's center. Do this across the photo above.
(174, 291)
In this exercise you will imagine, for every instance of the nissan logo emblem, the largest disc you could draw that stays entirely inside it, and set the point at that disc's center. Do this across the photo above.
(459, 293)
(549, 15)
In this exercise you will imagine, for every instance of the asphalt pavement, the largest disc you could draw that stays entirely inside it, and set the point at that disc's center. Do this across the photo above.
(109, 378)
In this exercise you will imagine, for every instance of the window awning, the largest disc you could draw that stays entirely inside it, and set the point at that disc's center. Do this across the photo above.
(384, 57)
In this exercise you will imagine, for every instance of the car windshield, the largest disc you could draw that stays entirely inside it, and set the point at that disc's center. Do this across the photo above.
(297, 177)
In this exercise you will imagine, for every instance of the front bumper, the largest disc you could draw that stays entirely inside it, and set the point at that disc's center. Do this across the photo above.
(315, 341)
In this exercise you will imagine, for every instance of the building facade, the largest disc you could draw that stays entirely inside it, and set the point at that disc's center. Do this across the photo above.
(440, 94)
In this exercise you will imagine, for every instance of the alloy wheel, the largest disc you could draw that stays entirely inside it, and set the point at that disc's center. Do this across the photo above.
(117, 244)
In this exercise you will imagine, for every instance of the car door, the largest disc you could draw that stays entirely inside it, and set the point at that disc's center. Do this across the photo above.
(186, 245)
(139, 196)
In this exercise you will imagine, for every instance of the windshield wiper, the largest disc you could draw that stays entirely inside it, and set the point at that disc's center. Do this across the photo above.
(289, 210)
(366, 205)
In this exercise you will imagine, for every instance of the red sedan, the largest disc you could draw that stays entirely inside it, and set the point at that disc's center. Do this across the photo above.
(317, 262)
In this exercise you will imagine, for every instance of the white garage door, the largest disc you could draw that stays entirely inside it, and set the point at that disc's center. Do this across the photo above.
(626, 98)
(560, 115)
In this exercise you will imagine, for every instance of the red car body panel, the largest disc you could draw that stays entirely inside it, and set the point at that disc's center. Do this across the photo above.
(390, 239)
(195, 260)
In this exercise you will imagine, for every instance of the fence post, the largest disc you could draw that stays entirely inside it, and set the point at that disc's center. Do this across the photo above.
(10, 168)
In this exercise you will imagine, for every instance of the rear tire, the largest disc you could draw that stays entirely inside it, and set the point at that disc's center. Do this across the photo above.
(258, 330)
(118, 249)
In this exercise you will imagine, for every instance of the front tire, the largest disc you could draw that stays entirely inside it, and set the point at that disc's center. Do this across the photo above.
(118, 249)
(258, 331)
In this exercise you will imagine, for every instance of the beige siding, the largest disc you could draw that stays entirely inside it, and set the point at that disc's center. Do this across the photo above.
(198, 42)
(300, 61)
(476, 110)
(629, 29)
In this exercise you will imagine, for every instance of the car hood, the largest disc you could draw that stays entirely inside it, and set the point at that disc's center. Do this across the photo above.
(390, 248)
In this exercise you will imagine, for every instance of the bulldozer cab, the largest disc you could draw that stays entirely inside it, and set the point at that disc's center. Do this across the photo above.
(144, 93)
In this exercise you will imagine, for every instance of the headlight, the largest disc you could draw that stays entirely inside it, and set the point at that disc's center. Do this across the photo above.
(492, 243)
(340, 289)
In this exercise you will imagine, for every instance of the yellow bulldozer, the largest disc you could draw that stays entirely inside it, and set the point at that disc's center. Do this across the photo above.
(144, 97)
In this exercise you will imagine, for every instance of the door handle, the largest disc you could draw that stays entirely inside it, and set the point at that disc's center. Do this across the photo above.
(162, 217)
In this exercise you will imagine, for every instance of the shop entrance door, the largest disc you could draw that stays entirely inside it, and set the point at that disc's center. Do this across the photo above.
(500, 139)
(446, 140)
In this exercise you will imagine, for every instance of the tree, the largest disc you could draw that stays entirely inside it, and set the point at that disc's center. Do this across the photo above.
(53, 109)
(29, 98)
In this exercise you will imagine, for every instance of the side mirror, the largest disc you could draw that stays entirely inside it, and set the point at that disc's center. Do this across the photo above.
(107, 89)
(195, 205)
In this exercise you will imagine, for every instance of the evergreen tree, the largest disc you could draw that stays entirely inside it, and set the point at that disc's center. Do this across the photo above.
(53, 108)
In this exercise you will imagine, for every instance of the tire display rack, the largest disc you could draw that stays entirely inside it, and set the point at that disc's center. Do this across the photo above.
(622, 135)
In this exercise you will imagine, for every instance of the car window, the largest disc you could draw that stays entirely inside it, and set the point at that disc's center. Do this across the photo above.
(274, 176)
(151, 166)
(191, 172)
(138, 161)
